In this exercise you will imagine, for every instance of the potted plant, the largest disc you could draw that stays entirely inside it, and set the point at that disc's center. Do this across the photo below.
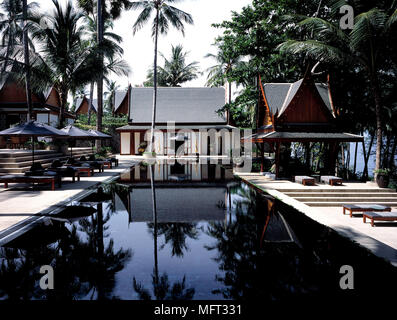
(382, 177)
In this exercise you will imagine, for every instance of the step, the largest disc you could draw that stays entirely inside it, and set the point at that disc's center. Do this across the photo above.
(29, 162)
(25, 153)
(339, 204)
(347, 199)
(333, 190)
(341, 195)
(29, 157)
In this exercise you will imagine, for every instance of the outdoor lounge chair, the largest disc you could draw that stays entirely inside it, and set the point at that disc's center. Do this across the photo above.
(37, 170)
(28, 179)
(379, 216)
(96, 164)
(364, 208)
(106, 163)
(58, 168)
(331, 180)
(305, 180)
(85, 164)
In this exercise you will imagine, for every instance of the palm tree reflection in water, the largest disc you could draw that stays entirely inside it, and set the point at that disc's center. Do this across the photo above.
(84, 263)
(173, 232)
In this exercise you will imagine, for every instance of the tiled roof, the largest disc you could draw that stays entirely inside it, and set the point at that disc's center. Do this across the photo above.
(181, 105)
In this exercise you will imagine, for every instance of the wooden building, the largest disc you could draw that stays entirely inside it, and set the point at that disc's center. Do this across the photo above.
(120, 102)
(13, 106)
(298, 112)
(199, 129)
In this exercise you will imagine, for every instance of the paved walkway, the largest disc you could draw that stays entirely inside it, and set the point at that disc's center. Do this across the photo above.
(18, 205)
(381, 239)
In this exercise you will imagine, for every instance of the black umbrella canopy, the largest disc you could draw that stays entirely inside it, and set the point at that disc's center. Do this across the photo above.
(77, 133)
(99, 134)
(33, 129)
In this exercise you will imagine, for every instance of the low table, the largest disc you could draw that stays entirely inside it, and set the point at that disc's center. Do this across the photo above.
(88, 170)
(379, 216)
(305, 180)
(27, 179)
(364, 208)
(331, 180)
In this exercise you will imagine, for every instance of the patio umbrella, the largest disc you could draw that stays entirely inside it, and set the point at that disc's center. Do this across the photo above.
(77, 134)
(33, 129)
(99, 135)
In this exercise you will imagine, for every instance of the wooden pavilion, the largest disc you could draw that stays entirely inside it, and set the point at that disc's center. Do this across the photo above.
(298, 112)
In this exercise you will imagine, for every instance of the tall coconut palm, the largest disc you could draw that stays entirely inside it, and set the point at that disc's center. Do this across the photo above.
(105, 10)
(14, 31)
(362, 46)
(63, 60)
(176, 70)
(110, 48)
(220, 73)
(164, 15)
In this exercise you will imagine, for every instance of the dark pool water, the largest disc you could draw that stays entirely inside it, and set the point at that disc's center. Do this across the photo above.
(191, 232)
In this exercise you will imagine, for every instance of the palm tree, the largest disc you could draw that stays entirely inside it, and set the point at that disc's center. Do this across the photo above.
(105, 10)
(363, 46)
(175, 70)
(64, 61)
(165, 14)
(220, 73)
(111, 93)
(111, 50)
(13, 34)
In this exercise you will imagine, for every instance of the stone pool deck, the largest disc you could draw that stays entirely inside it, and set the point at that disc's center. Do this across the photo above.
(381, 239)
(19, 205)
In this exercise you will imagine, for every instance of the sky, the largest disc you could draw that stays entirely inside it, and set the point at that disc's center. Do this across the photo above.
(198, 40)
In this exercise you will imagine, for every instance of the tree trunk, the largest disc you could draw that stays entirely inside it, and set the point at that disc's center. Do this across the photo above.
(386, 154)
(229, 100)
(355, 159)
(375, 91)
(27, 63)
(156, 35)
(100, 80)
(64, 98)
(90, 102)
(366, 156)
(392, 154)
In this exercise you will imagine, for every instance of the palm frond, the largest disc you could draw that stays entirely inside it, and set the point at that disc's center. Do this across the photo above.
(317, 50)
(392, 19)
(366, 25)
(142, 18)
(324, 29)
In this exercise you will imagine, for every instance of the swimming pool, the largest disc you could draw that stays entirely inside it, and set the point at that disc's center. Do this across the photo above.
(182, 232)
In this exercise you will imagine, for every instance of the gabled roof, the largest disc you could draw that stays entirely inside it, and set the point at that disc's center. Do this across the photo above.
(279, 95)
(119, 98)
(181, 105)
(79, 101)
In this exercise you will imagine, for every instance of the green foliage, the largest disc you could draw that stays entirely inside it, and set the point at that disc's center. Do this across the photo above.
(104, 151)
(382, 171)
(108, 121)
(175, 71)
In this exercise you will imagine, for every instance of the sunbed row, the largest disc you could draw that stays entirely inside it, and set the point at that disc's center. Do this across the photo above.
(307, 180)
(373, 212)
(59, 169)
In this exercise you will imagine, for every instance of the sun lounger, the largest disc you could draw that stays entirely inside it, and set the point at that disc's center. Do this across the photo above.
(305, 180)
(89, 170)
(364, 208)
(379, 216)
(27, 179)
(57, 168)
(331, 180)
